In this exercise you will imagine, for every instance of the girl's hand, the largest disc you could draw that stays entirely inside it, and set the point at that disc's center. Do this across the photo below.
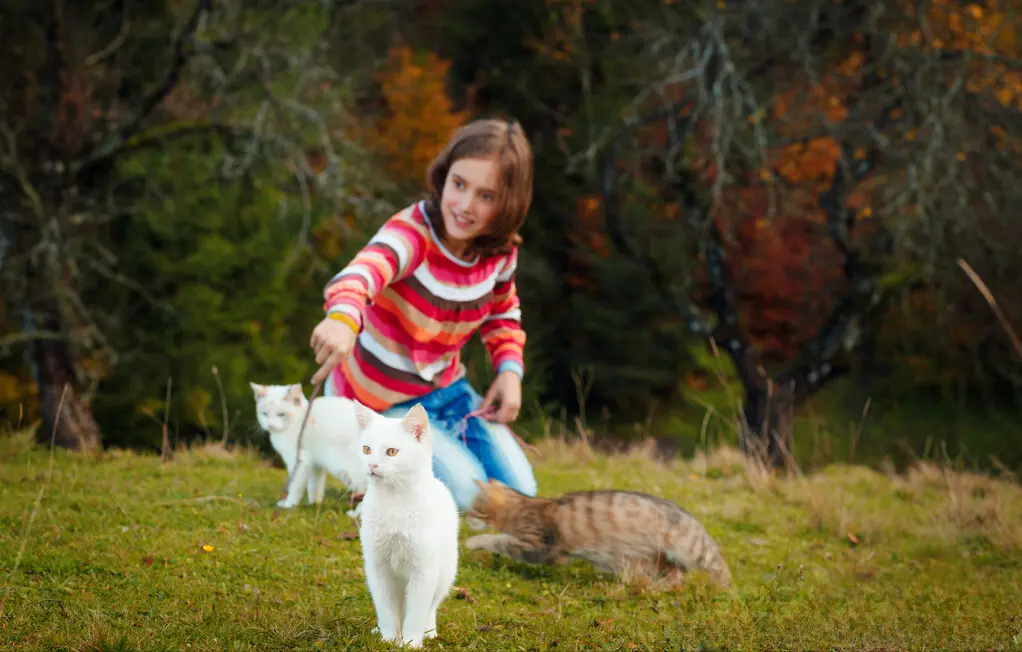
(333, 341)
(504, 398)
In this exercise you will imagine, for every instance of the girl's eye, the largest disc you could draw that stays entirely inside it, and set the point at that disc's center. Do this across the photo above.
(459, 185)
(391, 452)
(488, 197)
(366, 450)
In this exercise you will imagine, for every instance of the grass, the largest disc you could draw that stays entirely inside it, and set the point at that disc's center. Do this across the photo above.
(124, 552)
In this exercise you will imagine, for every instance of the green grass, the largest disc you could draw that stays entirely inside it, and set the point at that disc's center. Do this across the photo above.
(843, 422)
(114, 559)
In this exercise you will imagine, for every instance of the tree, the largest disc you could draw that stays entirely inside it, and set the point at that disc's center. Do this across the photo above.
(419, 115)
(88, 86)
(869, 131)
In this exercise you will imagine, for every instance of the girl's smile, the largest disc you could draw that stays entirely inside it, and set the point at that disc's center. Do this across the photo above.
(469, 201)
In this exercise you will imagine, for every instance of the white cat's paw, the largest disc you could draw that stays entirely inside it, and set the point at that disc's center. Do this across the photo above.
(430, 633)
(283, 504)
(389, 637)
(414, 643)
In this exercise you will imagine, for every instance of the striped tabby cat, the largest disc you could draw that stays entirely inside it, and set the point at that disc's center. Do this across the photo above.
(622, 532)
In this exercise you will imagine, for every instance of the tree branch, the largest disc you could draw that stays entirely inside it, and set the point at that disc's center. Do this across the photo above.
(116, 143)
(612, 219)
(7, 341)
(842, 328)
(161, 135)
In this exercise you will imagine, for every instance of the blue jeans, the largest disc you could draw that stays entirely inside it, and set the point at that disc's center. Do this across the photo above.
(488, 450)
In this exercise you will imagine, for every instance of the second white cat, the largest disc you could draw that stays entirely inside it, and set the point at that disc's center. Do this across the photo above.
(330, 443)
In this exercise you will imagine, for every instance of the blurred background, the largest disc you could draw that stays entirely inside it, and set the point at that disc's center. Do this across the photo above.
(747, 216)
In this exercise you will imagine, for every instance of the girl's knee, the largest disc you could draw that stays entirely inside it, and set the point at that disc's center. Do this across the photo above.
(460, 478)
(459, 470)
(508, 463)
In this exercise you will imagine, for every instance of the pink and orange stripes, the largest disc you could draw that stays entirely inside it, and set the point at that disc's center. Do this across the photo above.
(414, 306)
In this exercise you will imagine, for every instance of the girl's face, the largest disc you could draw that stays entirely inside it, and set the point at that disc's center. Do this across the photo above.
(469, 201)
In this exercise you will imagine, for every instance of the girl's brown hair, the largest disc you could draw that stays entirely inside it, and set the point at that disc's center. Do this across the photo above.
(505, 141)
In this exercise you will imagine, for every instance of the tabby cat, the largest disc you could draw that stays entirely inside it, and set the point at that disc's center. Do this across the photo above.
(626, 533)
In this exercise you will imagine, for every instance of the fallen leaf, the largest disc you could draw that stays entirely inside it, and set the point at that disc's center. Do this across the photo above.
(148, 561)
(463, 594)
(853, 539)
(348, 536)
(208, 548)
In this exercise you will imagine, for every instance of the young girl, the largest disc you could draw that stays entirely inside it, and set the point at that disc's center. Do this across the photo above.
(434, 274)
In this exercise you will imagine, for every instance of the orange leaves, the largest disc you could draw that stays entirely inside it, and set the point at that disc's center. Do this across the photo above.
(988, 32)
(799, 110)
(420, 116)
(812, 161)
(561, 37)
(589, 213)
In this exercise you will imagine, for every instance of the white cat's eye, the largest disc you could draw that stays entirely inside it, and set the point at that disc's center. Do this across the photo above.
(391, 452)
(366, 450)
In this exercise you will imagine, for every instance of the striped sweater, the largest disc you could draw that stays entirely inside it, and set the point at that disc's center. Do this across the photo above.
(414, 306)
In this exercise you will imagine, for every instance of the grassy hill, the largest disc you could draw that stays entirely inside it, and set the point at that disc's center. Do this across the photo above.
(125, 552)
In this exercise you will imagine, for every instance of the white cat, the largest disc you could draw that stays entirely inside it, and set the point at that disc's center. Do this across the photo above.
(409, 527)
(330, 443)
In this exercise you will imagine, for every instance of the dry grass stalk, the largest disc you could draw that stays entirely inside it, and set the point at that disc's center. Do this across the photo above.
(985, 291)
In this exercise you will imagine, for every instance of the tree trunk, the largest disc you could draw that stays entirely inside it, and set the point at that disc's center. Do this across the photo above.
(767, 427)
(53, 370)
(765, 424)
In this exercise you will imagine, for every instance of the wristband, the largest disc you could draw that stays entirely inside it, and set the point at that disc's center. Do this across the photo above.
(345, 319)
(512, 366)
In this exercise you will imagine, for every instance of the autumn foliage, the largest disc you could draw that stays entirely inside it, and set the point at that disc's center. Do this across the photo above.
(419, 115)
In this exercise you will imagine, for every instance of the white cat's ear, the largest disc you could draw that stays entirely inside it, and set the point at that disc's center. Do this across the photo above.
(416, 421)
(363, 415)
(258, 390)
(294, 394)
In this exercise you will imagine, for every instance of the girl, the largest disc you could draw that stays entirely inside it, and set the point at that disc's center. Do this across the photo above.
(435, 273)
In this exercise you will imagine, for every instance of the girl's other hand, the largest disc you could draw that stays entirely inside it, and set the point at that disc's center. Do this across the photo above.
(504, 398)
(333, 341)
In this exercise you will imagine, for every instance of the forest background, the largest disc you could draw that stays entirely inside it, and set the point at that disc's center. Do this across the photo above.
(747, 217)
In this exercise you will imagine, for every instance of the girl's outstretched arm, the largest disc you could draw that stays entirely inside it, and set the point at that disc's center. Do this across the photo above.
(393, 253)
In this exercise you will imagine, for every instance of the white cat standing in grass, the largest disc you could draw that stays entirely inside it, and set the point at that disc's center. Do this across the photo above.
(409, 526)
(330, 443)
